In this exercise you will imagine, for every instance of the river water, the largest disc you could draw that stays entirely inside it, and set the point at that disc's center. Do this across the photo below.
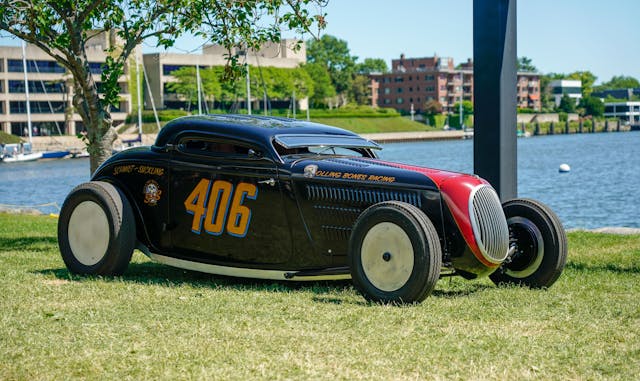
(600, 190)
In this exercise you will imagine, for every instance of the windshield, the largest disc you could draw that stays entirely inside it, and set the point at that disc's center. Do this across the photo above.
(318, 144)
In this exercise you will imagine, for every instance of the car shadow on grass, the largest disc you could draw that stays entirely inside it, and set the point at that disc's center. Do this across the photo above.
(326, 292)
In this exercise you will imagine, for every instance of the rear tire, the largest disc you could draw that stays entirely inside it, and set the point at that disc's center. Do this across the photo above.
(394, 253)
(96, 230)
(541, 245)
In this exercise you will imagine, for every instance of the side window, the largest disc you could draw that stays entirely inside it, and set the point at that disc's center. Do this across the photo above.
(201, 146)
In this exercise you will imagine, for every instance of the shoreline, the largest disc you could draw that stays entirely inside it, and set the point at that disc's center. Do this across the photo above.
(16, 210)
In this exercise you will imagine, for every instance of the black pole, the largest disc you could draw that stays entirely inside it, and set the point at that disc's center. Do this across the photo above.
(494, 94)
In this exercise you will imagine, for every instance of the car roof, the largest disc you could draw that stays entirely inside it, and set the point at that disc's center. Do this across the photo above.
(261, 129)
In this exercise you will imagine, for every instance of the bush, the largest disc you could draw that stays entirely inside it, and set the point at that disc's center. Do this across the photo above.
(8, 138)
(563, 116)
(163, 115)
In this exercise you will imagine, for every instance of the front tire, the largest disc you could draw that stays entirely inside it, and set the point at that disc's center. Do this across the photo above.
(96, 230)
(394, 253)
(540, 245)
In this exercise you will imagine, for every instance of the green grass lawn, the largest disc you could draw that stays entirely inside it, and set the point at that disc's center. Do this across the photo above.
(374, 125)
(157, 322)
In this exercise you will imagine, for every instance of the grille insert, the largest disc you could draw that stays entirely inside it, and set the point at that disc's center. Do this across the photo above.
(489, 223)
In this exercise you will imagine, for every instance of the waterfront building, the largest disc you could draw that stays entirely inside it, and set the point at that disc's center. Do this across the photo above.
(570, 87)
(51, 90)
(158, 67)
(412, 82)
(628, 94)
(628, 112)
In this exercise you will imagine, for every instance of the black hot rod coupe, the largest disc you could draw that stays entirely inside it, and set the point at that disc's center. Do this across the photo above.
(275, 198)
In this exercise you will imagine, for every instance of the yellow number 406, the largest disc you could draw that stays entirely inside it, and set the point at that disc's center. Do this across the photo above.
(211, 205)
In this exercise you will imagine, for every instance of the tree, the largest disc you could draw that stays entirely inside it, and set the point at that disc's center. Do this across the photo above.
(334, 54)
(567, 104)
(526, 64)
(467, 107)
(372, 65)
(322, 87)
(63, 28)
(360, 90)
(187, 87)
(620, 82)
(433, 107)
(587, 78)
(592, 106)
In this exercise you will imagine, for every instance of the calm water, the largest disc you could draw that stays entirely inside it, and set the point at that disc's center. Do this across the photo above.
(601, 189)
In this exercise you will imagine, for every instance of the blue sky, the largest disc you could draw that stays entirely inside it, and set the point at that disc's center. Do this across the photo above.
(558, 35)
(602, 36)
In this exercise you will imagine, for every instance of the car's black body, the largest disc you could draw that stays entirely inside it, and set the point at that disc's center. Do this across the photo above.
(256, 196)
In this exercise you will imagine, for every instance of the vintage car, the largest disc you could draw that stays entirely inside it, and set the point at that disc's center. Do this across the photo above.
(275, 198)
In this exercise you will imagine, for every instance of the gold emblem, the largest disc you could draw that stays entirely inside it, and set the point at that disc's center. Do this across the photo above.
(152, 192)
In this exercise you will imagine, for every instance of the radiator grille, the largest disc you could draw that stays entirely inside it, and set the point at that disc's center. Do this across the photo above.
(489, 224)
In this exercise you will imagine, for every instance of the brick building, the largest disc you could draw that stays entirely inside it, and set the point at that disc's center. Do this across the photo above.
(415, 81)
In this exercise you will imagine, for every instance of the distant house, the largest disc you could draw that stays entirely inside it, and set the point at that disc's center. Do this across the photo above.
(570, 87)
(627, 112)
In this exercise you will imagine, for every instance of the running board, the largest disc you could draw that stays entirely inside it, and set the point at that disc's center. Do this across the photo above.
(338, 273)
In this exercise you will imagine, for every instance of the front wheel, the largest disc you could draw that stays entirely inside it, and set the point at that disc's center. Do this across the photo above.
(538, 242)
(96, 230)
(394, 253)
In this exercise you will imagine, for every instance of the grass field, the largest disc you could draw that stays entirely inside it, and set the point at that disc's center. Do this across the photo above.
(374, 125)
(157, 322)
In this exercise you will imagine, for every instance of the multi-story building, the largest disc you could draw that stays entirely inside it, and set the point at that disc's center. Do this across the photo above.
(159, 67)
(628, 93)
(415, 81)
(570, 87)
(50, 90)
(627, 112)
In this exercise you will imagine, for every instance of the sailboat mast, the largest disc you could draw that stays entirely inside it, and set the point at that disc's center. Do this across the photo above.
(139, 93)
(26, 88)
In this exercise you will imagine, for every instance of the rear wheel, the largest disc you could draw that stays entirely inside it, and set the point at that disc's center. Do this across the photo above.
(540, 244)
(394, 253)
(96, 230)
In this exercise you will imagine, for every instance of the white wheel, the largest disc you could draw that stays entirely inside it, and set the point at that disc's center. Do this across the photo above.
(394, 253)
(387, 256)
(88, 231)
(96, 230)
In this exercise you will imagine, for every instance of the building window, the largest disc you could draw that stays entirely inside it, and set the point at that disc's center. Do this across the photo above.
(429, 77)
(387, 101)
(399, 101)
(387, 90)
(36, 107)
(399, 90)
(168, 69)
(443, 87)
(386, 80)
(430, 88)
(36, 87)
(96, 67)
(398, 79)
(411, 89)
(15, 66)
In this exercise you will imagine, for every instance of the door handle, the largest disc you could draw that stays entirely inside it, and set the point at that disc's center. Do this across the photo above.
(271, 182)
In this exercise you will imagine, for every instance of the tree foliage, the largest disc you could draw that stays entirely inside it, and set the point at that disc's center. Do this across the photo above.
(587, 78)
(620, 82)
(467, 107)
(567, 104)
(334, 54)
(62, 29)
(592, 106)
(433, 107)
(323, 89)
(372, 65)
(526, 64)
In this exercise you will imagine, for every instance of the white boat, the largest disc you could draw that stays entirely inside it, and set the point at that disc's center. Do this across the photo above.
(32, 156)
